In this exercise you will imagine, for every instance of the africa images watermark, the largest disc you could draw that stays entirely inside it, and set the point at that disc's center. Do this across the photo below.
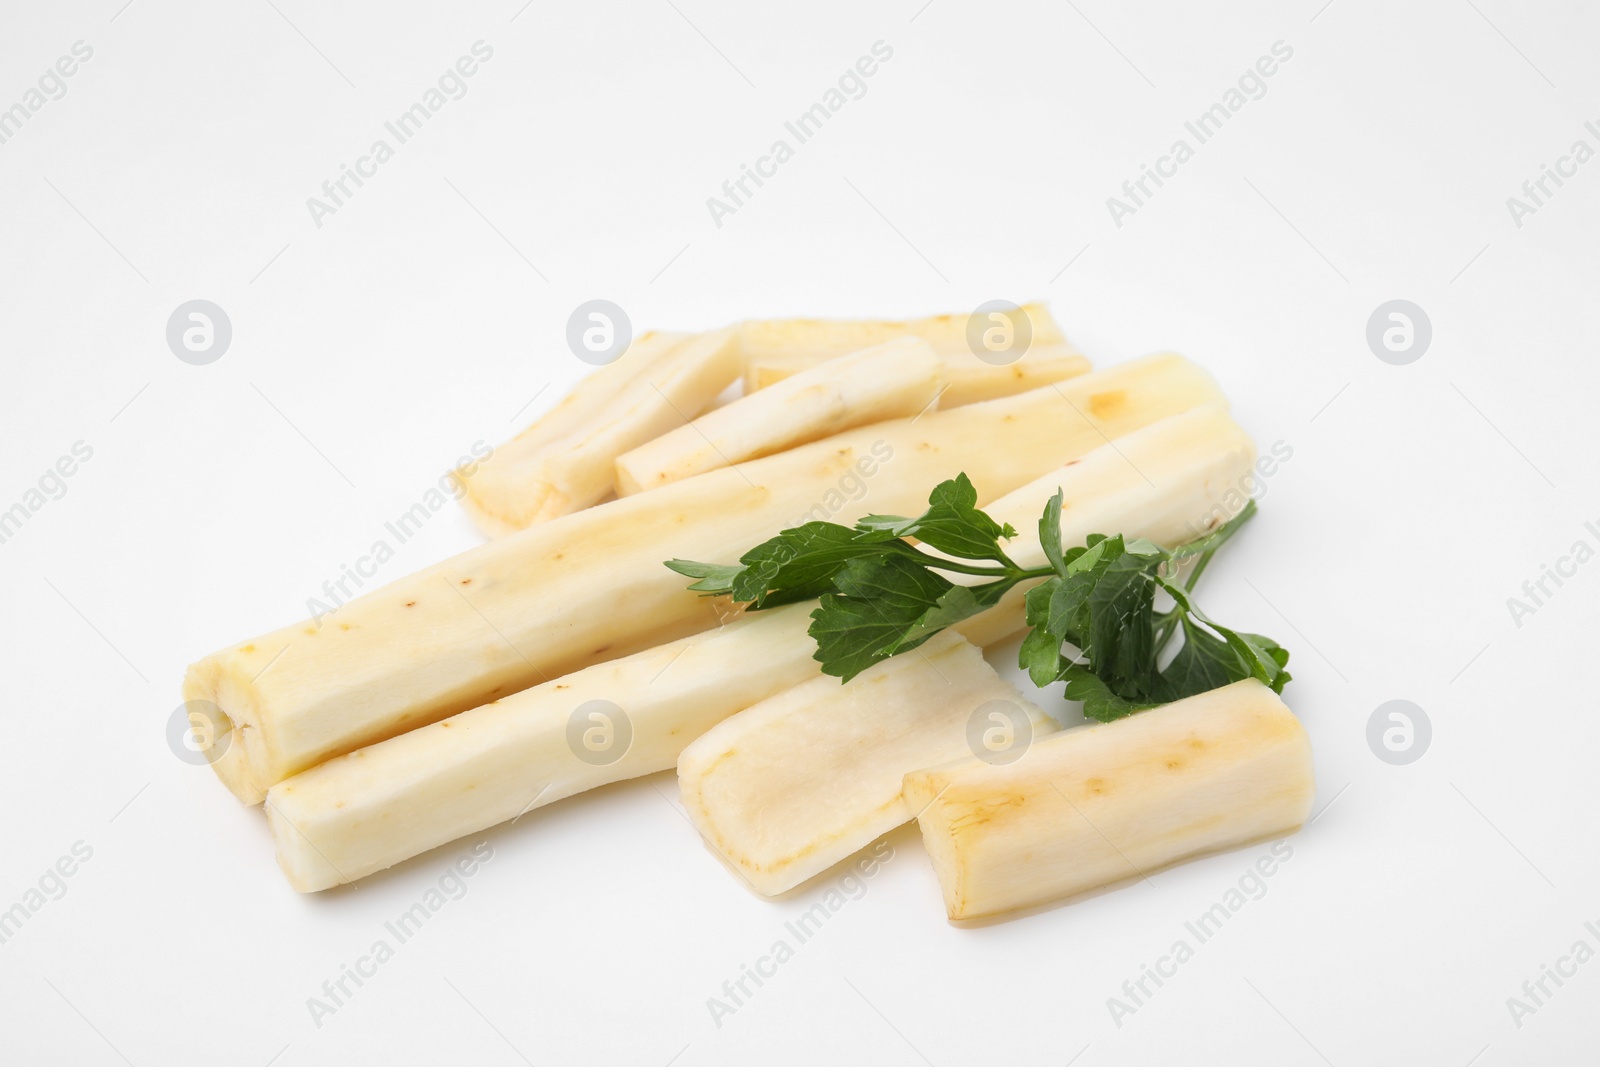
(451, 85)
(353, 577)
(851, 885)
(852, 485)
(802, 128)
(448, 887)
(1538, 591)
(1251, 486)
(52, 485)
(1252, 885)
(49, 886)
(1537, 992)
(1537, 192)
(1252, 85)
(51, 85)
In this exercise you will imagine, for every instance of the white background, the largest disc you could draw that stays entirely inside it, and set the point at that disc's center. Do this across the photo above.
(370, 353)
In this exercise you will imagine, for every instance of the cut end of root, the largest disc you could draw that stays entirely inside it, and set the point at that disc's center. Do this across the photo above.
(307, 870)
(214, 684)
(504, 496)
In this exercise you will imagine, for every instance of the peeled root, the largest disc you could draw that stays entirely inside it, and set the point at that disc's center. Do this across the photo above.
(1096, 805)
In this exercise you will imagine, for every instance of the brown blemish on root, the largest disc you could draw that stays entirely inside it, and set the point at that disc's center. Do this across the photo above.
(1104, 405)
(981, 813)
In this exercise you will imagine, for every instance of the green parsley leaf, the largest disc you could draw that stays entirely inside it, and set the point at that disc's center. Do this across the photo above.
(1050, 533)
(875, 613)
(951, 524)
(879, 595)
(715, 578)
(1040, 656)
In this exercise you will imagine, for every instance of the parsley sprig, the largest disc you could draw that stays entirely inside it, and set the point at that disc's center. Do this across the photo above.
(880, 595)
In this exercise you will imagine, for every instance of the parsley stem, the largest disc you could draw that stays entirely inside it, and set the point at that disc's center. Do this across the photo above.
(1203, 548)
(1013, 572)
(1206, 547)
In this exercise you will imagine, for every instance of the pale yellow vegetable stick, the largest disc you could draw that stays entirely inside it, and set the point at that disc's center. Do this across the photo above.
(801, 342)
(971, 379)
(566, 461)
(894, 380)
(967, 378)
(590, 586)
(776, 349)
(588, 400)
(792, 785)
(1100, 804)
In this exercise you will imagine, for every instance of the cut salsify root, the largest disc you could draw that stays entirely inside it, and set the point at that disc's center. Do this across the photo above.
(775, 349)
(966, 378)
(785, 789)
(513, 676)
(1102, 804)
(891, 381)
(565, 461)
